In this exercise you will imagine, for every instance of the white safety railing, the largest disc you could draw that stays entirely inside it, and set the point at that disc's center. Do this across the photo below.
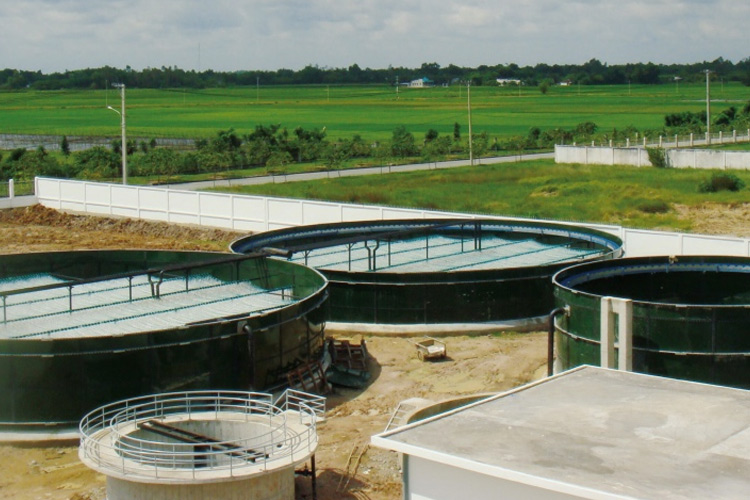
(672, 141)
(152, 436)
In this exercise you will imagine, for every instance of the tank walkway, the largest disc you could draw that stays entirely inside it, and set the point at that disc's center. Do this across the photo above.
(64, 309)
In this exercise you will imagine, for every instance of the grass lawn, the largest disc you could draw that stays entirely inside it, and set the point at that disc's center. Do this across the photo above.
(628, 196)
(371, 111)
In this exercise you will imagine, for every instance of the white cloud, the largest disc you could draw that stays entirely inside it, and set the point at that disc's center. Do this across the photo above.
(270, 34)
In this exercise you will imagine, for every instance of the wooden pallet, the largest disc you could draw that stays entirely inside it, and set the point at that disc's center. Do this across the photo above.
(309, 378)
(349, 355)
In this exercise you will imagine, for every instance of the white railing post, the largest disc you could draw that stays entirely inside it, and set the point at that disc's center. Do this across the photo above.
(11, 189)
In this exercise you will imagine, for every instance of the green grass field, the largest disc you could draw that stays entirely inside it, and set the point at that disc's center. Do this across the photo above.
(628, 196)
(371, 111)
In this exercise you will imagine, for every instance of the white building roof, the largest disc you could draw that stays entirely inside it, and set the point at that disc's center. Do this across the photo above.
(597, 433)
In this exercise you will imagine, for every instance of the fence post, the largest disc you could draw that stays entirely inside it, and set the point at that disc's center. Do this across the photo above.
(691, 139)
(11, 189)
(660, 142)
(627, 142)
(676, 141)
(721, 137)
(734, 136)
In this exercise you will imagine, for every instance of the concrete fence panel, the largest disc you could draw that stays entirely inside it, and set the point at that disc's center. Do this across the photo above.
(250, 213)
(215, 210)
(322, 213)
(640, 243)
(183, 207)
(285, 213)
(676, 158)
(696, 244)
(737, 160)
(144, 203)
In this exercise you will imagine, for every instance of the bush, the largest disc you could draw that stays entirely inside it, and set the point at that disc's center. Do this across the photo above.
(657, 157)
(721, 182)
(654, 207)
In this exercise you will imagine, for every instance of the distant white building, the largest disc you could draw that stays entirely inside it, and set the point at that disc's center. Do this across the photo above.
(508, 81)
(589, 433)
(421, 82)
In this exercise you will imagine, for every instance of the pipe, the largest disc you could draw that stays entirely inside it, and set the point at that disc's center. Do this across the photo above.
(551, 337)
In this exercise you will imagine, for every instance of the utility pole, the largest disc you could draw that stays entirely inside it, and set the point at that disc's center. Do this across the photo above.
(708, 106)
(124, 145)
(397, 87)
(471, 140)
(257, 89)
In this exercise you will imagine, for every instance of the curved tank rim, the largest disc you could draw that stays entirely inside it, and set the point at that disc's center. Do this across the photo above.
(612, 242)
(688, 263)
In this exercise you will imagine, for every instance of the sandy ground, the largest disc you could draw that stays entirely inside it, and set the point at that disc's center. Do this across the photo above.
(347, 467)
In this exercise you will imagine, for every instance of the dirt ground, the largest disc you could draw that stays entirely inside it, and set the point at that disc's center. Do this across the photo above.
(347, 467)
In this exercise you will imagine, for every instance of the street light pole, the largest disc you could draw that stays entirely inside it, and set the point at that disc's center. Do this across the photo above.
(123, 146)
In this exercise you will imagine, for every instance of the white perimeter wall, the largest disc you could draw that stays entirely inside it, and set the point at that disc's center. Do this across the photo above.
(677, 158)
(259, 213)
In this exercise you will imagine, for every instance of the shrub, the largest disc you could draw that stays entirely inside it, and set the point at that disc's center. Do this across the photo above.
(721, 182)
(657, 157)
(654, 207)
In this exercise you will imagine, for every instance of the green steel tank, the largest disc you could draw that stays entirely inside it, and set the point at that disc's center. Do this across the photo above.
(690, 315)
(82, 329)
(436, 271)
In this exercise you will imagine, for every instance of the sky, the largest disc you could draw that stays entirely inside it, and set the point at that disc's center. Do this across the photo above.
(229, 35)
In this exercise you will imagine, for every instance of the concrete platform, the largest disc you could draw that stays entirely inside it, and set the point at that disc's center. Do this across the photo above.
(589, 433)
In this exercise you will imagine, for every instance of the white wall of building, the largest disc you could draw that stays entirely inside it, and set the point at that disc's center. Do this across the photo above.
(260, 213)
(428, 480)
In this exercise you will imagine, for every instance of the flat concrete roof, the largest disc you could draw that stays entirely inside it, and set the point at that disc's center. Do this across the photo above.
(598, 433)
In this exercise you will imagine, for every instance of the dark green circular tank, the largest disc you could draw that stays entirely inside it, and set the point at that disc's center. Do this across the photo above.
(434, 271)
(83, 329)
(691, 315)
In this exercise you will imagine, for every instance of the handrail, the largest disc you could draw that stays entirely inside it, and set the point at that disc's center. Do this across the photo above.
(112, 440)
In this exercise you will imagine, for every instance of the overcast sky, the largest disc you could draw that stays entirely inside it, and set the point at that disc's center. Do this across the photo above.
(227, 35)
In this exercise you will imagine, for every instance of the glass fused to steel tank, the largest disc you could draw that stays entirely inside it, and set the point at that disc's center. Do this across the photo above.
(436, 271)
(82, 329)
(690, 315)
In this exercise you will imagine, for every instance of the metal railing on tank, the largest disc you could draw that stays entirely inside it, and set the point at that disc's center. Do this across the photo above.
(154, 279)
(152, 437)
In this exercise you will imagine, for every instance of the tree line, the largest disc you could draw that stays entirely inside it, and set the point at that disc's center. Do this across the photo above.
(593, 72)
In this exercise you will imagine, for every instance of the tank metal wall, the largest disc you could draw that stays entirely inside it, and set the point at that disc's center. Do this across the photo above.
(473, 298)
(705, 342)
(57, 381)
